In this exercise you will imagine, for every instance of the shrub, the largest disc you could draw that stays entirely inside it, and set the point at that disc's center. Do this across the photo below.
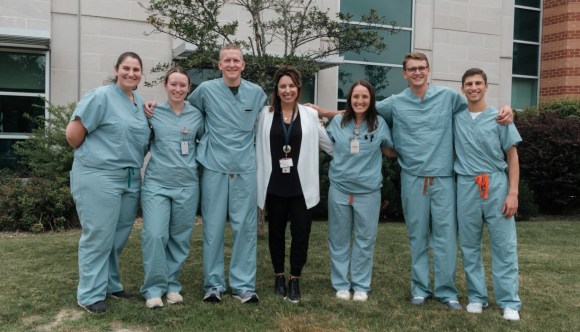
(391, 190)
(41, 200)
(550, 159)
(35, 204)
(566, 107)
(527, 206)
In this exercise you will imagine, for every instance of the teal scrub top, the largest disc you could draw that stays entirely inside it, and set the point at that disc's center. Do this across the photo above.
(422, 129)
(117, 129)
(357, 173)
(481, 143)
(228, 143)
(169, 165)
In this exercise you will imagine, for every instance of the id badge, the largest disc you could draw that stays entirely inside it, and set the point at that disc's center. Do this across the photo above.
(354, 146)
(184, 148)
(286, 164)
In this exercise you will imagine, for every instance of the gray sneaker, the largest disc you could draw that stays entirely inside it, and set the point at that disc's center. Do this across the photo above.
(213, 296)
(453, 305)
(247, 297)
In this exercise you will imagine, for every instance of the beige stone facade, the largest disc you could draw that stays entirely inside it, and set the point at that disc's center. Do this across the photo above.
(86, 36)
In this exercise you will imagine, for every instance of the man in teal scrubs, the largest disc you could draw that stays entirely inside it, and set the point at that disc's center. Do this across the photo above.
(421, 121)
(228, 183)
(486, 194)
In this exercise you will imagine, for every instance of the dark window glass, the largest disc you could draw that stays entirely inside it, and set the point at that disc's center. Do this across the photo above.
(528, 3)
(399, 11)
(12, 110)
(200, 75)
(385, 80)
(527, 25)
(525, 59)
(22, 72)
(307, 91)
(397, 46)
(524, 92)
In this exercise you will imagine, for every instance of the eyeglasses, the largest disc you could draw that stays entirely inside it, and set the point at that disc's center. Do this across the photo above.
(414, 69)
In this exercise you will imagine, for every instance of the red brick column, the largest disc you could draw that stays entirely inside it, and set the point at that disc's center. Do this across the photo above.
(560, 59)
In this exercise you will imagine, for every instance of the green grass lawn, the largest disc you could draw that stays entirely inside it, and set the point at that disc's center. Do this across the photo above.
(38, 278)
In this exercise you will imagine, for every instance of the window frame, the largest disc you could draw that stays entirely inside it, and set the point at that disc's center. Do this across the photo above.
(386, 26)
(44, 95)
(539, 44)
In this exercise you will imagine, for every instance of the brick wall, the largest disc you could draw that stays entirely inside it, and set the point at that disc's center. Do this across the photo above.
(560, 62)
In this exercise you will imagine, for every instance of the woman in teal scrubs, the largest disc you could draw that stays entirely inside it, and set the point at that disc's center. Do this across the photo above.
(354, 196)
(170, 193)
(109, 133)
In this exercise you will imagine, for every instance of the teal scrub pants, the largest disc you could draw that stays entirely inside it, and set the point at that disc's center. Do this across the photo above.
(356, 217)
(429, 209)
(168, 219)
(473, 211)
(106, 202)
(230, 196)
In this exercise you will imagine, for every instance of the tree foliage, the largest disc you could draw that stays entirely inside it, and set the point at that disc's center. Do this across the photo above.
(296, 32)
(46, 152)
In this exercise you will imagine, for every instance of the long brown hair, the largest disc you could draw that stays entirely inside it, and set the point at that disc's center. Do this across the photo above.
(370, 116)
(294, 74)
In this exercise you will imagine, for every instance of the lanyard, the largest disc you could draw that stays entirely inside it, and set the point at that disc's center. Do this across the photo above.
(287, 131)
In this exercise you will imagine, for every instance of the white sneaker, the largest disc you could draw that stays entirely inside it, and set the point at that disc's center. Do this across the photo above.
(360, 296)
(343, 294)
(511, 314)
(418, 300)
(174, 298)
(475, 308)
(154, 302)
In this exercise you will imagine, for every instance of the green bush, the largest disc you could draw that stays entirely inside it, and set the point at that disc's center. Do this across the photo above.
(391, 207)
(35, 204)
(527, 206)
(550, 157)
(566, 107)
(38, 197)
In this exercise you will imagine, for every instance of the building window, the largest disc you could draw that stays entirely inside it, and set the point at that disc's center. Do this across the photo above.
(22, 89)
(526, 53)
(383, 71)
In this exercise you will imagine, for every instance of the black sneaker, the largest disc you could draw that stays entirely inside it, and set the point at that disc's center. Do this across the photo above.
(212, 296)
(121, 295)
(280, 286)
(247, 297)
(293, 290)
(98, 307)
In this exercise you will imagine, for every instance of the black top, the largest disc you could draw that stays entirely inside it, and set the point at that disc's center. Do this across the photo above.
(285, 184)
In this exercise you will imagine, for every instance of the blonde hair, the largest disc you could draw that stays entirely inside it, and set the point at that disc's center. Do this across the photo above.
(231, 47)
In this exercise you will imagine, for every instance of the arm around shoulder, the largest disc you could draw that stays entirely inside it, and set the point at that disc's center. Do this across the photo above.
(505, 116)
(324, 113)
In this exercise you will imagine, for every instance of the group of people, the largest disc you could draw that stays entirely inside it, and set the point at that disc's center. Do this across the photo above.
(257, 155)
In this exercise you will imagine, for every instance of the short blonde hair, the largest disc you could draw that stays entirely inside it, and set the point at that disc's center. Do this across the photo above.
(414, 56)
(231, 47)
